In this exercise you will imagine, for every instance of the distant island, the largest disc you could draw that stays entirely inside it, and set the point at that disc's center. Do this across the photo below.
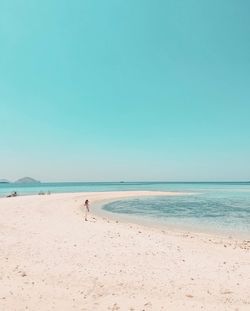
(27, 180)
(4, 181)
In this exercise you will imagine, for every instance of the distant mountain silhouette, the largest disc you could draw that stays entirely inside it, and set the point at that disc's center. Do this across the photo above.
(27, 180)
(4, 181)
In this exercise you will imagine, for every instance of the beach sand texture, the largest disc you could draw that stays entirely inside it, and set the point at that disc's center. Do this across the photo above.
(51, 259)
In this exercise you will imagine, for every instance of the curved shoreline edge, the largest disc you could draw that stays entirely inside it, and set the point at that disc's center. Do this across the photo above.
(52, 259)
(99, 199)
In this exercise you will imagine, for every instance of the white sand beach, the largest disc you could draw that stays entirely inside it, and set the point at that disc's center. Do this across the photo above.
(51, 259)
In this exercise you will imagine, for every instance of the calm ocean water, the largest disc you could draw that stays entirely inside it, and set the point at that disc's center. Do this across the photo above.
(221, 207)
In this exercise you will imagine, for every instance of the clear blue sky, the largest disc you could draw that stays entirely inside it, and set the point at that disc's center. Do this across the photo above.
(125, 90)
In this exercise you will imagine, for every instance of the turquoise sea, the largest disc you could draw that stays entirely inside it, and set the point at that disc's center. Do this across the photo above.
(223, 207)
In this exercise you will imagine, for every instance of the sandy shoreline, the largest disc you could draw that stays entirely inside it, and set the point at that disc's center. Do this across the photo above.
(52, 260)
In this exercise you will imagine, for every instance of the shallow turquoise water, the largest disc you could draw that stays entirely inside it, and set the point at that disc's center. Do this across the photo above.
(222, 207)
(225, 211)
(61, 187)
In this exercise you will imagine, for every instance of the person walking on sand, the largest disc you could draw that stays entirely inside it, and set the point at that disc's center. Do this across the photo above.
(86, 204)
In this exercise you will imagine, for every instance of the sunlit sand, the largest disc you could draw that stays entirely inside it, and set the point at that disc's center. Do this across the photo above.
(51, 259)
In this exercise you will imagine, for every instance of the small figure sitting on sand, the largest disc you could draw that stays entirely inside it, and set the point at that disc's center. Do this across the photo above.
(86, 204)
(13, 194)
